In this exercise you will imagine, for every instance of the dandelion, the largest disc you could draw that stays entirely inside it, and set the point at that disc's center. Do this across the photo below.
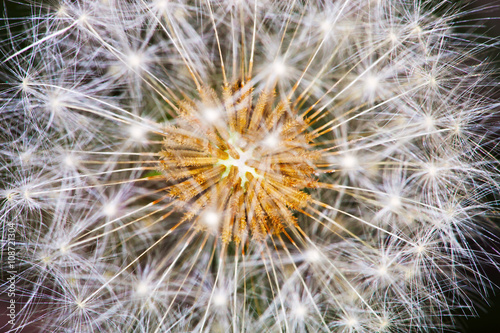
(246, 166)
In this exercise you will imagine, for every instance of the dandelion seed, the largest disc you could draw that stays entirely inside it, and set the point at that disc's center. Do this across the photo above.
(110, 209)
(300, 311)
(349, 162)
(211, 114)
(69, 161)
(220, 299)
(142, 288)
(312, 256)
(278, 68)
(135, 61)
(211, 219)
(138, 133)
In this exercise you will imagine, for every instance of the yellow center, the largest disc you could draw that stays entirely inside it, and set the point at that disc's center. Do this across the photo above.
(246, 167)
(240, 164)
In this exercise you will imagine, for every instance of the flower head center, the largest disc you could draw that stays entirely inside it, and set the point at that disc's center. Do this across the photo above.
(225, 165)
(240, 163)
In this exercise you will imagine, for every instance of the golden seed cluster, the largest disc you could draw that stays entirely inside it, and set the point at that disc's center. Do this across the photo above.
(239, 163)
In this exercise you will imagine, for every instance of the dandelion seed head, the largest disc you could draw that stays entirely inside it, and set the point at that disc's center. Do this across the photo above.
(83, 19)
(433, 81)
(278, 68)
(271, 140)
(382, 270)
(284, 166)
(26, 156)
(138, 132)
(372, 83)
(135, 61)
(70, 160)
(350, 322)
(211, 219)
(25, 84)
(63, 248)
(349, 162)
(27, 194)
(420, 249)
(142, 288)
(80, 304)
(220, 298)
(110, 209)
(61, 11)
(431, 170)
(393, 37)
(55, 102)
(326, 26)
(429, 122)
(211, 114)
(394, 201)
(384, 323)
(300, 311)
(312, 256)
(417, 30)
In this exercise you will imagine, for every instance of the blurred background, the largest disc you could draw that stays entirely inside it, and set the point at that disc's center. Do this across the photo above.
(486, 14)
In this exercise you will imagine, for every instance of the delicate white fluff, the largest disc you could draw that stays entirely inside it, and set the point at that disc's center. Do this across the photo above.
(399, 109)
